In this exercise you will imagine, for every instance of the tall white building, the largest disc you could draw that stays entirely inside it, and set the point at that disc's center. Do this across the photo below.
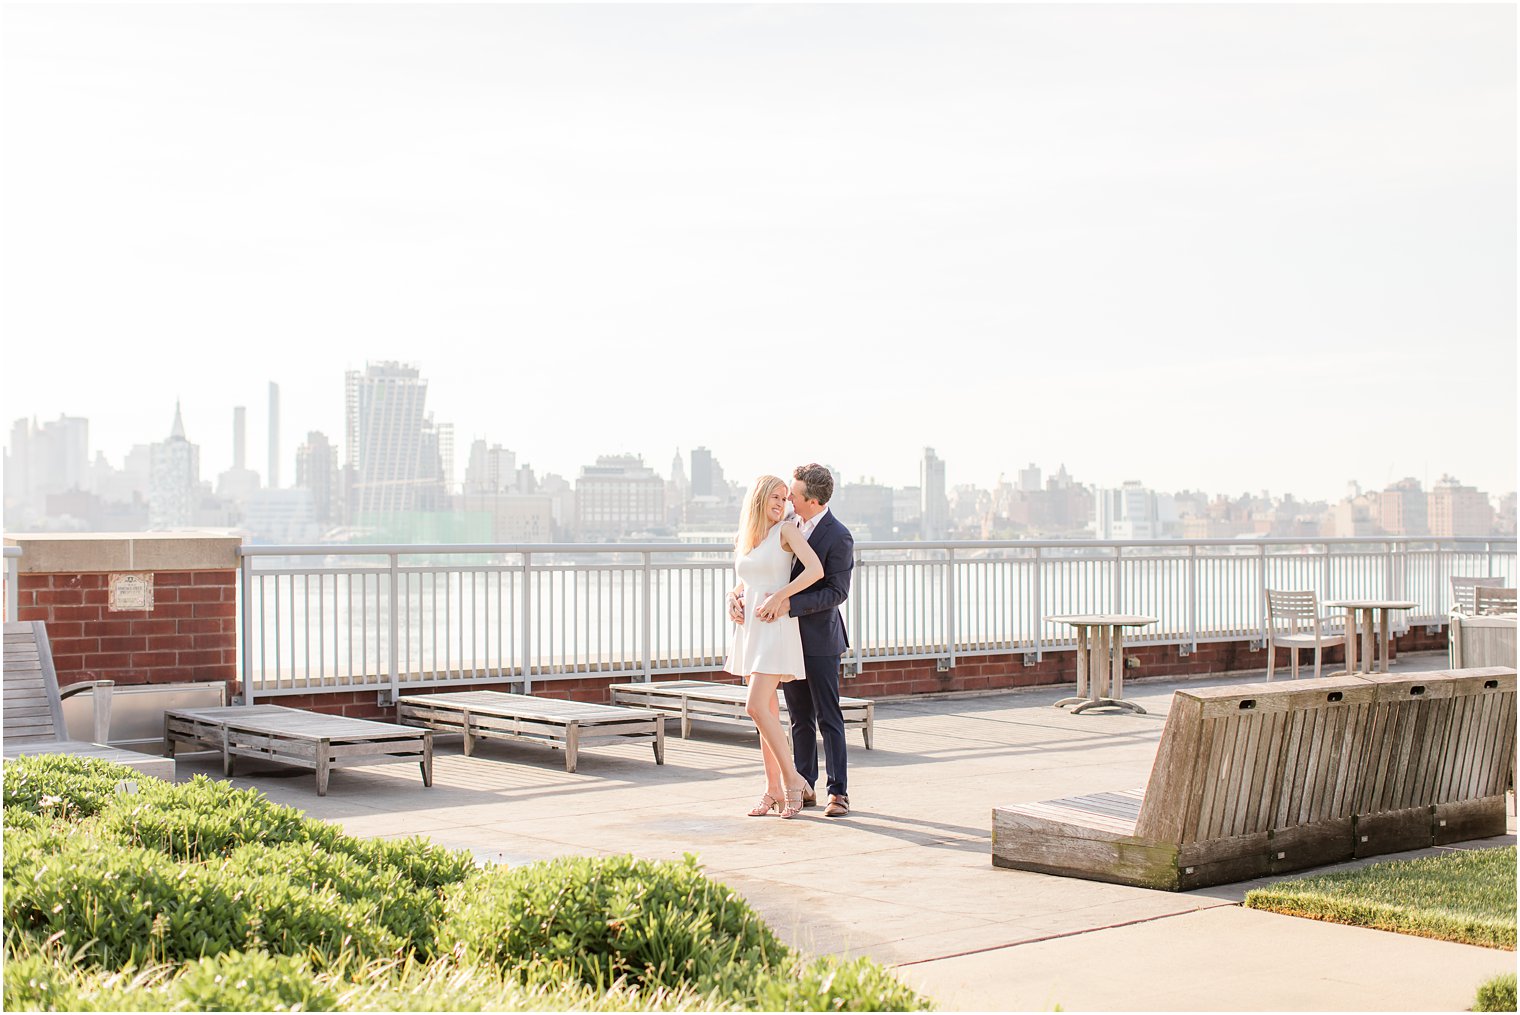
(1133, 511)
(174, 476)
(393, 450)
(934, 516)
(491, 469)
(317, 471)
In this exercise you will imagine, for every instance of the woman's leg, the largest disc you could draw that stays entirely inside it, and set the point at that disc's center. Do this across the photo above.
(762, 708)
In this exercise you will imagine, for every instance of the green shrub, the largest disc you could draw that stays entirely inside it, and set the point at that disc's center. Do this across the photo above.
(202, 819)
(383, 893)
(833, 984)
(595, 920)
(1497, 994)
(66, 786)
(119, 904)
(20, 818)
(424, 863)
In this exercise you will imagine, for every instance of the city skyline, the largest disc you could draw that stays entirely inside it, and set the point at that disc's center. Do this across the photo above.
(1139, 240)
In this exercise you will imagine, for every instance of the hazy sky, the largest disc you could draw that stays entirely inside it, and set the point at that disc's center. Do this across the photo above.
(1221, 247)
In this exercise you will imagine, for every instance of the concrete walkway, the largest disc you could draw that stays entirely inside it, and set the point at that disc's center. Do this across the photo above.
(907, 879)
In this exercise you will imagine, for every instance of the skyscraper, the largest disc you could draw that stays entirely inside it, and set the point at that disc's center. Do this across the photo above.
(239, 482)
(317, 471)
(274, 436)
(934, 518)
(174, 473)
(386, 416)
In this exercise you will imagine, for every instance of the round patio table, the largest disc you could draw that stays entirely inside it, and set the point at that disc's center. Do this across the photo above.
(1100, 659)
(1359, 617)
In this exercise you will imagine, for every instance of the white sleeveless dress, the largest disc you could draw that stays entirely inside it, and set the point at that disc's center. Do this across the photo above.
(758, 646)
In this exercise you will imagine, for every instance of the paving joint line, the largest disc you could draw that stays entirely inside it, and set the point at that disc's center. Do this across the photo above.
(1064, 934)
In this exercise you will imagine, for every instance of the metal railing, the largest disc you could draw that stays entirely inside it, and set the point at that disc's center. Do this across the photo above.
(391, 617)
(12, 556)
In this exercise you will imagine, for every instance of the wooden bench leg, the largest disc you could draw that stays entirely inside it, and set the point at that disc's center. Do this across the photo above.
(226, 755)
(685, 719)
(572, 744)
(869, 727)
(427, 760)
(659, 740)
(469, 738)
(324, 755)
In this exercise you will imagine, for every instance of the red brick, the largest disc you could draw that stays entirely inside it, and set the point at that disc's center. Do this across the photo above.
(155, 659)
(215, 610)
(67, 663)
(210, 625)
(86, 613)
(201, 594)
(165, 595)
(31, 612)
(173, 611)
(156, 628)
(172, 579)
(215, 578)
(107, 660)
(74, 646)
(66, 629)
(202, 657)
(123, 644)
(61, 597)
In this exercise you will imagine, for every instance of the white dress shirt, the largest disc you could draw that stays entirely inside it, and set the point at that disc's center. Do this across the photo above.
(808, 526)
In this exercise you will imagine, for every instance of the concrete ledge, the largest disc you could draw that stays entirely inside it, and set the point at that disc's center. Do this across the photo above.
(93, 552)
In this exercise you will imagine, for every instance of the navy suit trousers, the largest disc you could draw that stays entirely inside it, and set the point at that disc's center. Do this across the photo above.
(813, 705)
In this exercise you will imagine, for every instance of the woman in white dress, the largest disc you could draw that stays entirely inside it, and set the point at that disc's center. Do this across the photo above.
(767, 648)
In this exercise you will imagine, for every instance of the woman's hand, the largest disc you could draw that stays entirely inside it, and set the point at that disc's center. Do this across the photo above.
(773, 607)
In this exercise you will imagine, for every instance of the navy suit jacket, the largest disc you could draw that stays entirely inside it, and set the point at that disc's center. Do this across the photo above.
(817, 606)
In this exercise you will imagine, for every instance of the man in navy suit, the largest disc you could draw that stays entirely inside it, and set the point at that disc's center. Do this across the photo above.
(813, 704)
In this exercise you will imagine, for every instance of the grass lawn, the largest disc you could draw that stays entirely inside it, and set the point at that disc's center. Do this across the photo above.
(1461, 895)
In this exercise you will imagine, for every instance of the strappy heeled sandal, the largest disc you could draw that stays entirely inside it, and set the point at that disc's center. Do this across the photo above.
(767, 804)
(793, 802)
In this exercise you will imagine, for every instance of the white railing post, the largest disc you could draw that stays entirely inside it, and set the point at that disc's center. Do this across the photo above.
(245, 636)
(394, 627)
(1192, 598)
(1037, 606)
(856, 587)
(950, 605)
(647, 615)
(527, 623)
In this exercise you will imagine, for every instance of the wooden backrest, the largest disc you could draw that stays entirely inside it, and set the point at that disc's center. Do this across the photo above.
(1254, 757)
(33, 711)
(1299, 610)
(1464, 589)
(1491, 601)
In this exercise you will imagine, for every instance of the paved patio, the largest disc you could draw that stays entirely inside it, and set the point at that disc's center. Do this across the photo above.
(907, 879)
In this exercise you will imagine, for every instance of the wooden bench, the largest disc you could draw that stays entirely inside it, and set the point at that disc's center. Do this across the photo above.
(33, 707)
(563, 725)
(1260, 779)
(292, 736)
(715, 702)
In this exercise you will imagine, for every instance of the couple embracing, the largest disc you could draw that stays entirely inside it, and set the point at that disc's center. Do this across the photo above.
(794, 571)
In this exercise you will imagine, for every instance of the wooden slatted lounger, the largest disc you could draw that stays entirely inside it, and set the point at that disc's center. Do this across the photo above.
(563, 725)
(715, 702)
(293, 736)
(34, 707)
(1261, 779)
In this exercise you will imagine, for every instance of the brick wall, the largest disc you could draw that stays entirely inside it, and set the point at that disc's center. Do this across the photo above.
(898, 678)
(190, 634)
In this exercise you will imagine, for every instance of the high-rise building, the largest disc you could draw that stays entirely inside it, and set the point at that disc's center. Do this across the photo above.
(174, 475)
(866, 507)
(317, 471)
(934, 515)
(1130, 512)
(707, 475)
(491, 469)
(617, 496)
(1029, 479)
(274, 436)
(385, 419)
(1403, 509)
(238, 483)
(1457, 510)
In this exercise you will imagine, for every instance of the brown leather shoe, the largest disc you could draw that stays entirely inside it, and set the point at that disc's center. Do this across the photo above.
(838, 806)
(809, 798)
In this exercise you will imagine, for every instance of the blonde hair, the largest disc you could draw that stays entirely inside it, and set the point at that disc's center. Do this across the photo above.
(752, 522)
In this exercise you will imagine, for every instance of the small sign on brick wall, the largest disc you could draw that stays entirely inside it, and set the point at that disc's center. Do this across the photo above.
(131, 590)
